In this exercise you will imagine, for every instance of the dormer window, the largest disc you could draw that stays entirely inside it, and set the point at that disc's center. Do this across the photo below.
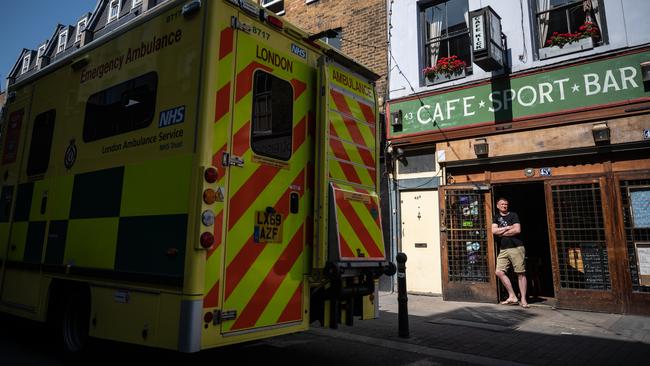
(135, 3)
(41, 52)
(81, 27)
(63, 39)
(26, 61)
(113, 10)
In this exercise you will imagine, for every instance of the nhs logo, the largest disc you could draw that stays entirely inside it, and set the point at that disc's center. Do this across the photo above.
(298, 50)
(171, 116)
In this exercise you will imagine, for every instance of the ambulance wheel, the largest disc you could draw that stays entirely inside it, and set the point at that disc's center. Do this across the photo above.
(72, 318)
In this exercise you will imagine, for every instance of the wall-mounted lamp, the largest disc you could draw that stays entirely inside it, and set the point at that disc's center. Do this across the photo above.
(396, 118)
(399, 155)
(481, 147)
(645, 71)
(601, 133)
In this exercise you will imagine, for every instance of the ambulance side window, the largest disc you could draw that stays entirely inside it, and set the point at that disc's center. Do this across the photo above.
(122, 108)
(41, 144)
(272, 116)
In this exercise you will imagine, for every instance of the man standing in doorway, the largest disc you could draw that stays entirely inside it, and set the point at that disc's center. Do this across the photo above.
(506, 227)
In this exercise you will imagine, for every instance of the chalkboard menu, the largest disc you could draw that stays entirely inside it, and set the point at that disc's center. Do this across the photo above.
(594, 261)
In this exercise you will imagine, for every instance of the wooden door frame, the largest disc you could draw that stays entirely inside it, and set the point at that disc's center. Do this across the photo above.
(634, 302)
(582, 299)
(467, 291)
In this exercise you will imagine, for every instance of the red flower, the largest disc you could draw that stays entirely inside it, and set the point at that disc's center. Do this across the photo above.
(587, 30)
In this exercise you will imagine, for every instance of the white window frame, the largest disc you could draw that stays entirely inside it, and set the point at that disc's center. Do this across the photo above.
(63, 41)
(39, 53)
(79, 29)
(135, 3)
(26, 60)
(111, 6)
(269, 3)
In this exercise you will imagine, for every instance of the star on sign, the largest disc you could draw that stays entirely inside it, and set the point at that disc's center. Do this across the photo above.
(481, 104)
(575, 88)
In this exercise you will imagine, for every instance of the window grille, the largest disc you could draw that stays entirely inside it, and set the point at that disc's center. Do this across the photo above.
(580, 235)
(466, 236)
(636, 226)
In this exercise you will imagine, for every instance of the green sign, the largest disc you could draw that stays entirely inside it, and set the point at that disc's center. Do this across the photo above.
(505, 100)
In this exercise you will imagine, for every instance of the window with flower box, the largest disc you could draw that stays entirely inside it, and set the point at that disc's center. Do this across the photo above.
(445, 36)
(566, 26)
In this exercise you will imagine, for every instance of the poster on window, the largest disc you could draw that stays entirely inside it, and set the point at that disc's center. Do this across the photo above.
(643, 261)
(640, 205)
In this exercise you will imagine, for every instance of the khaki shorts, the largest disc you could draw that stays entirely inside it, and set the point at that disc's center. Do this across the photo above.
(514, 256)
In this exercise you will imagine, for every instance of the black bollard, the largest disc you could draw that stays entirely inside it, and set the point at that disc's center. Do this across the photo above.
(402, 300)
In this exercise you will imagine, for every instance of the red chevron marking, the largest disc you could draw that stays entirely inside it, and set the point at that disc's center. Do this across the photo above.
(218, 231)
(269, 286)
(245, 79)
(241, 140)
(293, 310)
(344, 248)
(216, 162)
(299, 134)
(251, 250)
(225, 42)
(368, 113)
(222, 102)
(211, 299)
(359, 228)
(298, 88)
(249, 192)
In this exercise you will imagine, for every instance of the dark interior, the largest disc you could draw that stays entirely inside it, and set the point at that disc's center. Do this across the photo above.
(528, 201)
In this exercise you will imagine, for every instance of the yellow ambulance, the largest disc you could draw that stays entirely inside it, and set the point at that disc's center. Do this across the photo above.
(204, 175)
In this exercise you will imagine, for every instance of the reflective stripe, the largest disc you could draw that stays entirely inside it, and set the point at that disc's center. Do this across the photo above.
(359, 227)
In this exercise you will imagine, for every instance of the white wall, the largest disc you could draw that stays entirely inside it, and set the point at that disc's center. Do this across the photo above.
(628, 25)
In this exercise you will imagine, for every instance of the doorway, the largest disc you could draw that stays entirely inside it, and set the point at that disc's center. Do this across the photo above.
(529, 202)
(420, 242)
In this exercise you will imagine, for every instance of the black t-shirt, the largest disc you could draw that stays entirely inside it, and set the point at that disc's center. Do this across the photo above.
(507, 220)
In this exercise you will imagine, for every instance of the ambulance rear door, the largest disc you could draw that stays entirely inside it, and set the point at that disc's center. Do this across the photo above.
(349, 226)
(268, 196)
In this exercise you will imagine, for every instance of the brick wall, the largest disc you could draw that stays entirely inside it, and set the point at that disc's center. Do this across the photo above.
(363, 28)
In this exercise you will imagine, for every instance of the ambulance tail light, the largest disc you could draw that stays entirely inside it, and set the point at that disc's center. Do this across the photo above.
(207, 239)
(209, 196)
(275, 21)
(207, 317)
(211, 174)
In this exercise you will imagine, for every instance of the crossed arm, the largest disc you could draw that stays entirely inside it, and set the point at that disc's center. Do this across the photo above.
(511, 230)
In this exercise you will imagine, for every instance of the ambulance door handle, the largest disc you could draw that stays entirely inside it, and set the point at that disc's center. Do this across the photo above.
(294, 202)
(231, 160)
(43, 202)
